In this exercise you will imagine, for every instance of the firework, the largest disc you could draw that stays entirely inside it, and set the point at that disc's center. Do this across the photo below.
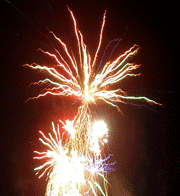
(69, 171)
(77, 165)
(87, 87)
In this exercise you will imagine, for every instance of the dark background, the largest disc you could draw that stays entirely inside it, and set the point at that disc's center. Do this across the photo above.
(143, 140)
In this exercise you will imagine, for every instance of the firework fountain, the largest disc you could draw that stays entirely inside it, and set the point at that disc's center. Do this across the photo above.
(76, 164)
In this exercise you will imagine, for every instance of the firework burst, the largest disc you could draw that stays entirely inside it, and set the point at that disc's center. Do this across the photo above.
(87, 87)
(71, 171)
(77, 165)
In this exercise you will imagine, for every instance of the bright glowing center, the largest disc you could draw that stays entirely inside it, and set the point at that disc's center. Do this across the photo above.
(88, 96)
(99, 131)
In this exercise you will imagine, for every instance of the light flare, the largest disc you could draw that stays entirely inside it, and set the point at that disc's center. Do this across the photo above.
(99, 136)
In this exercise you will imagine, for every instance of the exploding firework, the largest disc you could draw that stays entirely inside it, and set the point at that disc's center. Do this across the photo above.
(77, 165)
(69, 170)
(88, 86)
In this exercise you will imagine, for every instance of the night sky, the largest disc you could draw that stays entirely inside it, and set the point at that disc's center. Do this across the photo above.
(143, 140)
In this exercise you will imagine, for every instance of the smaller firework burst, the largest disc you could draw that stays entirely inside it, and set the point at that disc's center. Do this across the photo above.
(69, 171)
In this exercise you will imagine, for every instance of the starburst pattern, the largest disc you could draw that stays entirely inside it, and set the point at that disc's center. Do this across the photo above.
(88, 87)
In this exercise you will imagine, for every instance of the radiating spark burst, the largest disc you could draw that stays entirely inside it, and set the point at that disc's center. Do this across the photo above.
(87, 86)
(69, 171)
